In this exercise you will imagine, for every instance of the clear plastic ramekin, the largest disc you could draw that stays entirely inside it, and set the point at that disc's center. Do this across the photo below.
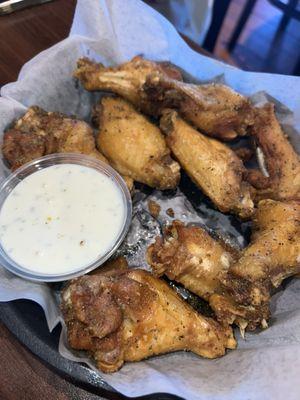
(64, 158)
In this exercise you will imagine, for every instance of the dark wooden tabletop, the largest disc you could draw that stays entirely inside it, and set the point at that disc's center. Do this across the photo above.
(24, 34)
(23, 376)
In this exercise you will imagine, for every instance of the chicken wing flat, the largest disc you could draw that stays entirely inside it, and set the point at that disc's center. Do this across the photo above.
(281, 160)
(132, 315)
(213, 166)
(272, 256)
(190, 256)
(134, 146)
(39, 133)
(126, 80)
(214, 109)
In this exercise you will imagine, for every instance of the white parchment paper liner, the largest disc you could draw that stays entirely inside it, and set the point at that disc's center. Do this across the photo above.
(266, 364)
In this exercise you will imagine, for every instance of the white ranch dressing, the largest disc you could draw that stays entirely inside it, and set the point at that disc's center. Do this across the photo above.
(61, 219)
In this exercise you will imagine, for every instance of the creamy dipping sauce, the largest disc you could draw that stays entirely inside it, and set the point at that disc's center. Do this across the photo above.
(61, 219)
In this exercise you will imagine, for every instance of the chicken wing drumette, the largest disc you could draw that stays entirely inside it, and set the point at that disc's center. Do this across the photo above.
(126, 80)
(214, 109)
(39, 133)
(131, 315)
(133, 145)
(212, 165)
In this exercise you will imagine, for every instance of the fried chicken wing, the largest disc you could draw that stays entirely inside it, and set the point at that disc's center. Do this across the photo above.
(134, 146)
(39, 133)
(190, 256)
(214, 109)
(151, 86)
(272, 256)
(126, 80)
(213, 166)
(133, 315)
(281, 160)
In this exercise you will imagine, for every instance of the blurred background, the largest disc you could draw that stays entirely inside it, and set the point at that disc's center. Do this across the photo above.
(255, 35)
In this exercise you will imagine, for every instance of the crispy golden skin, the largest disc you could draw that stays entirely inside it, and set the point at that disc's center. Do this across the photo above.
(132, 315)
(214, 109)
(272, 256)
(126, 80)
(228, 312)
(134, 146)
(281, 160)
(39, 133)
(190, 256)
(213, 166)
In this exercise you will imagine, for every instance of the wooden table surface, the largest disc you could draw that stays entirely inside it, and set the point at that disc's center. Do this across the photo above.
(27, 32)
(23, 34)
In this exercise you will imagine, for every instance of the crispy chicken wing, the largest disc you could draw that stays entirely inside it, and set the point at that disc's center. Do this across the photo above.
(39, 133)
(126, 80)
(214, 109)
(190, 256)
(132, 315)
(134, 146)
(213, 166)
(272, 256)
(281, 160)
